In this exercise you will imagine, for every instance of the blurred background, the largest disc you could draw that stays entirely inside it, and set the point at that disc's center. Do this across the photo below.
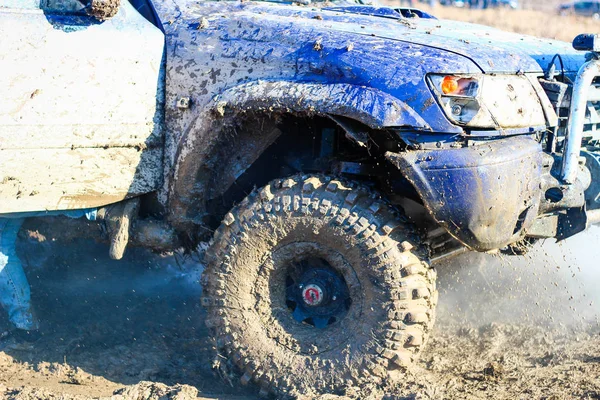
(554, 19)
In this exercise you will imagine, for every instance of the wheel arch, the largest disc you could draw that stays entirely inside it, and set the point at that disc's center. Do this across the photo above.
(215, 151)
(370, 106)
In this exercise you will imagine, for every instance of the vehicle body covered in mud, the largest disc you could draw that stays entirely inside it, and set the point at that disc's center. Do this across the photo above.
(472, 137)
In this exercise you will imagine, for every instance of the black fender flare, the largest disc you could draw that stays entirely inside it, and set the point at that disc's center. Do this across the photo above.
(200, 161)
(369, 106)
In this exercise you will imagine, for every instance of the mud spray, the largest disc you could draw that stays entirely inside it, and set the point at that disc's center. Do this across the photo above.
(554, 286)
(517, 327)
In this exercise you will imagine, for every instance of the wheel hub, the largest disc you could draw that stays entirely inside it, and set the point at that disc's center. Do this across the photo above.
(312, 295)
(316, 294)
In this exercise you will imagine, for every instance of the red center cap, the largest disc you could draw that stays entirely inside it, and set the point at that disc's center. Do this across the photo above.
(312, 295)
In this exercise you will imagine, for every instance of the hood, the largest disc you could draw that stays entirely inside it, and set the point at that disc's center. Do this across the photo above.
(492, 50)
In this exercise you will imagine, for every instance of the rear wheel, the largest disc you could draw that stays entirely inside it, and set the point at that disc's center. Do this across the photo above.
(312, 285)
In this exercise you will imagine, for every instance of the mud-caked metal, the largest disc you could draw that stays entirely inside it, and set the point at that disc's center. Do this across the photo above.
(330, 153)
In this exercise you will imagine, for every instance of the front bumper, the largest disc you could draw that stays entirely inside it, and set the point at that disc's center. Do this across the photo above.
(485, 196)
(495, 193)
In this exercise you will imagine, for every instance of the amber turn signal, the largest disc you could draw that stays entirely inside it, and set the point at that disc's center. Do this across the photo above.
(449, 85)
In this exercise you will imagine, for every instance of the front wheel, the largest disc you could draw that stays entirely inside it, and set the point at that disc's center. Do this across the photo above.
(312, 285)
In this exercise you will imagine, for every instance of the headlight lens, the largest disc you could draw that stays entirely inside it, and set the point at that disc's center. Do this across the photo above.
(485, 101)
(456, 86)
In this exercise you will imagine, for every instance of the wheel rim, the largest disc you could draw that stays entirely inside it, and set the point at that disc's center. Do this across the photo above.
(315, 328)
(316, 294)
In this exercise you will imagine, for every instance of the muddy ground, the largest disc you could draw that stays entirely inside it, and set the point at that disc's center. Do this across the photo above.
(507, 328)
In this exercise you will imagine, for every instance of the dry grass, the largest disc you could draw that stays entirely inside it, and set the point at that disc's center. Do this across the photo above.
(536, 23)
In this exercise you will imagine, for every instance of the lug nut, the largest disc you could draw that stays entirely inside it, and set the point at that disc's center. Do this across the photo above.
(334, 298)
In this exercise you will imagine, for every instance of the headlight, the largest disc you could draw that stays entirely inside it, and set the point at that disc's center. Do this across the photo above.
(486, 101)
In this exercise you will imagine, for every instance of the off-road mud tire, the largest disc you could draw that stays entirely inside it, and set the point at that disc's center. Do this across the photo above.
(394, 300)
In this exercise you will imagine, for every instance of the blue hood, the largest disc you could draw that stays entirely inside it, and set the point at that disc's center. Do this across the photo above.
(492, 50)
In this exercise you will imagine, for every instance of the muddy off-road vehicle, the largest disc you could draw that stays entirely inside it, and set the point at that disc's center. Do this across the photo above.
(331, 153)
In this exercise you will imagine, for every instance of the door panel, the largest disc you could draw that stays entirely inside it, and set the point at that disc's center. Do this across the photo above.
(81, 105)
(88, 177)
